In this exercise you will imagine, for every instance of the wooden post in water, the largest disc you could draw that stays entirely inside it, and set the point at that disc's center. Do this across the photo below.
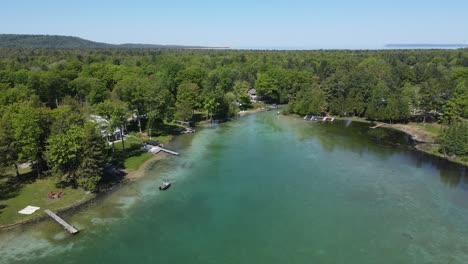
(62, 222)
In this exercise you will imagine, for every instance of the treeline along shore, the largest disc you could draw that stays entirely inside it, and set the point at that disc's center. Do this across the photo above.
(64, 111)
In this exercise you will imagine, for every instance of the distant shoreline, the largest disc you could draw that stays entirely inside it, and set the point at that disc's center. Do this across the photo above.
(427, 46)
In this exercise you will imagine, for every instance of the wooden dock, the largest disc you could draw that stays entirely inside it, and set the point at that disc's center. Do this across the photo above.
(157, 149)
(62, 222)
(379, 125)
(169, 151)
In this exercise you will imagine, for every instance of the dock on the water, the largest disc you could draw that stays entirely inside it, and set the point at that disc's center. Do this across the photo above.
(62, 222)
(157, 149)
(379, 125)
(169, 151)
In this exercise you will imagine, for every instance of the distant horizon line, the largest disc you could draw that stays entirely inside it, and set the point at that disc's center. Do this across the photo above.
(272, 47)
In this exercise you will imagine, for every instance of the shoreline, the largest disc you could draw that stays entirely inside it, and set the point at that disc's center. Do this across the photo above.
(424, 141)
(136, 174)
(42, 216)
(253, 111)
(130, 177)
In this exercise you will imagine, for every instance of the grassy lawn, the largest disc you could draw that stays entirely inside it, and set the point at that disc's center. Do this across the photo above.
(433, 128)
(259, 105)
(133, 163)
(163, 139)
(132, 158)
(354, 118)
(130, 142)
(17, 195)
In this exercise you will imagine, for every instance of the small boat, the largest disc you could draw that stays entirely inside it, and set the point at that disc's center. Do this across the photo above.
(165, 185)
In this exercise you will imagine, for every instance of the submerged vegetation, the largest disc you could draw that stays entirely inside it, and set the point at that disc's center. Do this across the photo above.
(51, 100)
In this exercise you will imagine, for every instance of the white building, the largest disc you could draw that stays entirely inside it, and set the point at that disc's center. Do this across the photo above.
(103, 125)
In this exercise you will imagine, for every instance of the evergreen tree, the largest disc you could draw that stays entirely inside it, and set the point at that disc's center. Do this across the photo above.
(92, 158)
(187, 99)
(455, 139)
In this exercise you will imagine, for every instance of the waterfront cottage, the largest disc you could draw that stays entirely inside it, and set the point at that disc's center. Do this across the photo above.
(253, 95)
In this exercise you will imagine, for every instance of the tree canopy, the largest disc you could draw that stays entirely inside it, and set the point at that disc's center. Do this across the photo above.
(47, 96)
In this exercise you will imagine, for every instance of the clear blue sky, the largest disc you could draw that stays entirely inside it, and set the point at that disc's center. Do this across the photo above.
(242, 23)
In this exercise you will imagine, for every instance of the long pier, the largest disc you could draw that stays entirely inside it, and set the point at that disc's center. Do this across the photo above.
(62, 222)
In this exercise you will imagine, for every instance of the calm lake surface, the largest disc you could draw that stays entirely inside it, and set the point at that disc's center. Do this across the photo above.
(270, 189)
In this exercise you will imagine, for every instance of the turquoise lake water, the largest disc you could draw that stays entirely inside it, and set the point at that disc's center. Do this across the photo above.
(270, 189)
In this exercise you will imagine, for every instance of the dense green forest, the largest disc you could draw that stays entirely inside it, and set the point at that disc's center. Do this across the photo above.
(47, 96)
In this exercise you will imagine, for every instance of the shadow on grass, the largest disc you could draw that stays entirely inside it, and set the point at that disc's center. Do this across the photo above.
(133, 149)
(12, 187)
(197, 117)
(165, 129)
(121, 155)
(112, 176)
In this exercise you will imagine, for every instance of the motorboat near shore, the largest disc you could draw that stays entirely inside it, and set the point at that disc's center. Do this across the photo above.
(165, 185)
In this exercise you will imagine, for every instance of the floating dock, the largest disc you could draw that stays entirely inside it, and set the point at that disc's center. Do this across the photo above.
(62, 222)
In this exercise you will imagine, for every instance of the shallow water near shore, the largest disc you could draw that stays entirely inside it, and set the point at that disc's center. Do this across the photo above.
(270, 189)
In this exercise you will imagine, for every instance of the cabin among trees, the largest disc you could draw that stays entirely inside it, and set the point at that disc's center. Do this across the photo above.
(106, 129)
(253, 95)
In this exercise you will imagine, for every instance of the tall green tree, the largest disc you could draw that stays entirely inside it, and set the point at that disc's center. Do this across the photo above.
(27, 133)
(187, 100)
(8, 151)
(159, 103)
(211, 105)
(455, 139)
(116, 114)
(310, 101)
(89, 89)
(240, 90)
(64, 153)
(131, 90)
(77, 156)
(92, 158)
(267, 87)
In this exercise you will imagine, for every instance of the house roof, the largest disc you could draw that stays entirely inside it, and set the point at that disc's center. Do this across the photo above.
(98, 119)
